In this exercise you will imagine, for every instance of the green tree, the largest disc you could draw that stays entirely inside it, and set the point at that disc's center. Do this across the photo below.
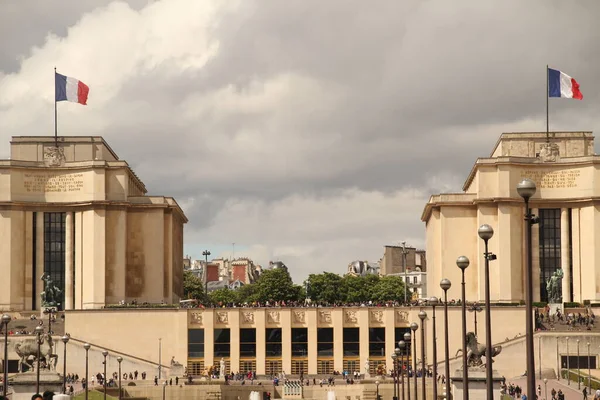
(193, 287)
(325, 287)
(277, 285)
(389, 288)
(246, 294)
(358, 288)
(223, 296)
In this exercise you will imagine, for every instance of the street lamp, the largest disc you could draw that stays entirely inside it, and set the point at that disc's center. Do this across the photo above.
(545, 388)
(568, 364)
(206, 253)
(5, 321)
(377, 385)
(159, 357)
(394, 357)
(526, 189)
(445, 284)
(463, 262)
(433, 301)
(407, 341)
(413, 327)
(486, 232)
(39, 330)
(119, 360)
(578, 369)
(557, 360)
(475, 308)
(422, 316)
(401, 346)
(164, 389)
(50, 311)
(104, 353)
(86, 346)
(588, 362)
(65, 340)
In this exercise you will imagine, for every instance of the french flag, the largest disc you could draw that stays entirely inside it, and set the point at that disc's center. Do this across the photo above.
(70, 89)
(562, 85)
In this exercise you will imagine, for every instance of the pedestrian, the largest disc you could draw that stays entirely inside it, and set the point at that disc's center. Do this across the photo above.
(585, 393)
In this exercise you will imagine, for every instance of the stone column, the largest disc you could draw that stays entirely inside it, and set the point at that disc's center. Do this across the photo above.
(68, 261)
(564, 254)
(39, 258)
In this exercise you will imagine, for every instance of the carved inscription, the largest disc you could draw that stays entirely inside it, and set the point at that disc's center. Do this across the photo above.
(49, 182)
(553, 179)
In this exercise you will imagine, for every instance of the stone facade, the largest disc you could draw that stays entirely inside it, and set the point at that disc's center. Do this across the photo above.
(80, 214)
(565, 170)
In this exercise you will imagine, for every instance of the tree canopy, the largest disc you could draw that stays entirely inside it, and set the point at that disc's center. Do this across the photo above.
(277, 285)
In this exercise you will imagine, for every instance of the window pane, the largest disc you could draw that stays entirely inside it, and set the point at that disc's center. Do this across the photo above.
(324, 335)
(377, 335)
(300, 349)
(351, 335)
(351, 349)
(325, 349)
(299, 335)
(248, 335)
(273, 335)
(222, 336)
(248, 350)
(196, 336)
(273, 350)
(222, 350)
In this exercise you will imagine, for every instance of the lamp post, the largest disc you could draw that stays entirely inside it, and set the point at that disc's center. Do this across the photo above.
(401, 346)
(445, 284)
(104, 353)
(578, 368)
(5, 321)
(205, 253)
(545, 389)
(433, 301)
(422, 316)
(475, 308)
(65, 340)
(377, 385)
(463, 262)
(404, 268)
(526, 189)
(589, 385)
(413, 327)
(119, 360)
(568, 364)
(557, 361)
(540, 355)
(159, 356)
(39, 330)
(486, 232)
(407, 341)
(86, 346)
(50, 311)
(394, 357)
(164, 389)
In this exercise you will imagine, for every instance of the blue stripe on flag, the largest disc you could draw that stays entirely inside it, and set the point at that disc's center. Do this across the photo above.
(60, 87)
(553, 83)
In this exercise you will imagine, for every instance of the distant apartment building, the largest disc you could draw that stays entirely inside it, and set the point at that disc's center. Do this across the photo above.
(407, 262)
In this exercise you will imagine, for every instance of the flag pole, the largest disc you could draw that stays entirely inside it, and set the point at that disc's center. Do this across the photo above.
(55, 124)
(547, 101)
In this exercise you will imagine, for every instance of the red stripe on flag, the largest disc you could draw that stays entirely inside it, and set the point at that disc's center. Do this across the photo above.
(576, 92)
(82, 93)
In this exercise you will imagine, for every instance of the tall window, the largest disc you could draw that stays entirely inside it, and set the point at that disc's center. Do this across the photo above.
(195, 343)
(325, 342)
(273, 345)
(376, 342)
(549, 246)
(54, 250)
(299, 342)
(247, 343)
(351, 342)
(222, 343)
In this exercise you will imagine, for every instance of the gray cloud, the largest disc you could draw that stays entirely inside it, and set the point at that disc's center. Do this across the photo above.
(240, 109)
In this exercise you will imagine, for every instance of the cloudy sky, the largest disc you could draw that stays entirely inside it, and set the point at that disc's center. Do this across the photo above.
(307, 131)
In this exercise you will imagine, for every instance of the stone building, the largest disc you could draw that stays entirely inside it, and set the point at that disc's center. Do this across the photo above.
(565, 168)
(79, 214)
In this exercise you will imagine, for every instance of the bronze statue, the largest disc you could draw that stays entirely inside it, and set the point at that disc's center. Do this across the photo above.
(554, 287)
(475, 351)
(51, 294)
(28, 349)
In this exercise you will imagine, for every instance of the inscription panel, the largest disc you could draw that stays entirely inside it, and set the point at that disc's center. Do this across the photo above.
(547, 179)
(48, 182)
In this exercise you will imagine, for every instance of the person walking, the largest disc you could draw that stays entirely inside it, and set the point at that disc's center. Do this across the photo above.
(585, 393)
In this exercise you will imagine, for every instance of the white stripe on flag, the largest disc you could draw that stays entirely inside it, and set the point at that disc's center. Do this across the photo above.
(72, 89)
(566, 86)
